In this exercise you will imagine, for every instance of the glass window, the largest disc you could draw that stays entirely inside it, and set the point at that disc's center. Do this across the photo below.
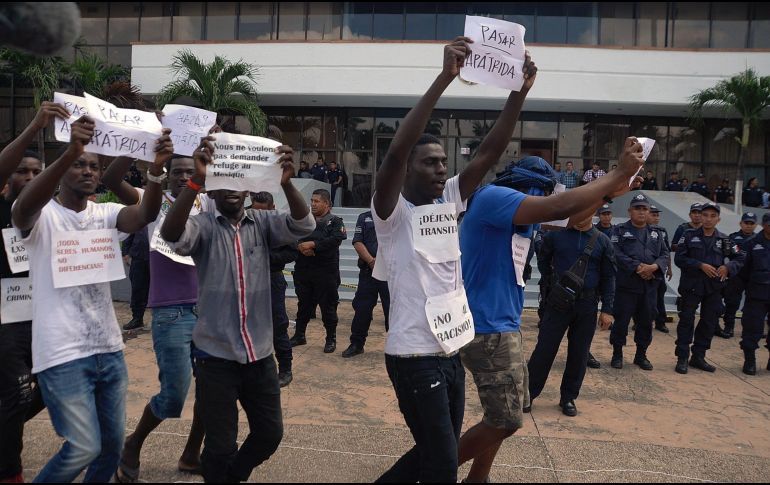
(617, 26)
(358, 167)
(450, 20)
(729, 25)
(437, 125)
(495, 10)
(357, 22)
(312, 129)
(119, 54)
(760, 27)
(582, 23)
(657, 132)
(551, 24)
(220, 20)
(155, 24)
(387, 125)
(360, 129)
(255, 21)
(523, 13)
(188, 21)
(651, 24)
(291, 20)
(720, 142)
(467, 123)
(420, 21)
(124, 22)
(99, 50)
(540, 129)
(388, 21)
(573, 136)
(610, 138)
(684, 144)
(691, 25)
(291, 127)
(324, 20)
(93, 22)
(330, 132)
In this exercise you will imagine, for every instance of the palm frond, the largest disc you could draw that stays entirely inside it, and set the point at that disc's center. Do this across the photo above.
(180, 88)
(248, 108)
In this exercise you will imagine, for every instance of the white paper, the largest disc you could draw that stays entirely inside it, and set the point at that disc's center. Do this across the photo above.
(647, 144)
(76, 106)
(15, 300)
(434, 231)
(18, 259)
(157, 243)
(520, 249)
(122, 117)
(188, 125)
(86, 257)
(243, 162)
(558, 189)
(450, 320)
(497, 53)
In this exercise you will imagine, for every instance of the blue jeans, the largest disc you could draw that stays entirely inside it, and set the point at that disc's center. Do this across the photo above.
(431, 396)
(172, 328)
(86, 399)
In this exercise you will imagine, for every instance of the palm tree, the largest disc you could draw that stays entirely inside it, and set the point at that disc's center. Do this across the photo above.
(91, 74)
(222, 86)
(744, 94)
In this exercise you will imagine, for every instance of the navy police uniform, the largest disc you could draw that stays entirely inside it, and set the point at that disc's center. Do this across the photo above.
(700, 187)
(755, 274)
(674, 186)
(733, 292)
(279, 258)
(607, 231)
(319, 172)
(696, 288)
(332, 176)
(723, 193)
(660, 318)
(368, 288)
(317, 278)
(559, 251)
(634, 296)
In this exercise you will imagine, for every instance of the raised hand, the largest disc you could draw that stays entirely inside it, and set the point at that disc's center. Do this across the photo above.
(455, 54)
(164, 150)
(47, 112)
(203, 156)
(81, 133)
(286, 160)
(530, 72)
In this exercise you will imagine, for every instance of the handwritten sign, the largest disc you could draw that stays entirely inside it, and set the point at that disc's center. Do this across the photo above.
(434, 231)
(76, 106)
(188, 125)
(450, 320)
(520, 249)
(647, 144)
(157, 243)
(497, 53)
(15, 300)
(243, 162)
(86, 257)
(18, 259)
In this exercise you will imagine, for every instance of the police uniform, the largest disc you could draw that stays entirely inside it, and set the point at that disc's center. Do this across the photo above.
(723, 194)
(607, 231)
(317, 279)
(634, 296)
(368, 288)
(696, 288)
(660, 318)
(673, 186)
(685, 226)
(559, 251)
(733, 292)
(700, 187)
(279, 258)
(755, 274)
(319, 172)
(332, 176)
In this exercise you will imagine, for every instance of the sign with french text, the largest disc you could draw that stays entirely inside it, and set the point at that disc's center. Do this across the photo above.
(86, 257)
(497, 53)
(243, 162)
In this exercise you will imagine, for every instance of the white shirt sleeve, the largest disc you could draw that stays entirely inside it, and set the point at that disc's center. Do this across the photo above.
(452, 194)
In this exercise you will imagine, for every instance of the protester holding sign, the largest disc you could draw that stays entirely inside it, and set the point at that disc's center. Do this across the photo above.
(19, 400)
(77, 345)
(234, 335)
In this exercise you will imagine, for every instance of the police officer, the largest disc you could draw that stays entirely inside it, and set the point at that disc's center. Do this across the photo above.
(279, 258)
(756, 276)
(334, 177)
(701, 255)
(674, 184)
(559, 252)
(654, 222)
(723, 194)
(695, 223)
(642, 261)
(317, 271)
(733, 293)
(605, 220)
(319, 170)
(365, 243)
(700, 187)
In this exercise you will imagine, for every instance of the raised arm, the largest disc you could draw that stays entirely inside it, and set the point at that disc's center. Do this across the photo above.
(39, 191)
(12, 154)
(297, 206)
(390, 176)
(113, 180)
(499, 136)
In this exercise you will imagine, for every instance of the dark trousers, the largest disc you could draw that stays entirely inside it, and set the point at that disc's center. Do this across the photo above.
(220, 385)
(431, 396)
(20, 400)
(364, 303)
(280, 321)
(317, 288)
(700, 337)
(733, 294)
(642, 307)
(753, 322)
(139, 274)
(580, 326)
(660, 317)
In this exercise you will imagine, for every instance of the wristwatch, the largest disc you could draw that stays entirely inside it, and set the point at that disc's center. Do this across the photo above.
(157, 179)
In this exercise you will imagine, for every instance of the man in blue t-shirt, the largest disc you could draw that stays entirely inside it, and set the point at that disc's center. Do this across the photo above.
(499, 216)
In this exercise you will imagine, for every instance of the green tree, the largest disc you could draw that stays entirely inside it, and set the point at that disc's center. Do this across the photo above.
(744, 95)
(222, 86)
(92, 74)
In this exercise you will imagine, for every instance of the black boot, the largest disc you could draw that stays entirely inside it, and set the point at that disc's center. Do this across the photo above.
(135, 323)
(331, 342)
(750, 362)
(592, 362)
(617, 357)
(661, 327)
(641, 359)
(681, 365)
(298, 339)
(699, 362)
(727, 332)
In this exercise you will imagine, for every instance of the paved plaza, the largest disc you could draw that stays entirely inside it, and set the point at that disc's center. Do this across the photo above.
(342, 422)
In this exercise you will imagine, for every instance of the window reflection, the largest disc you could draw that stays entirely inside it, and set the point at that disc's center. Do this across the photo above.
(357, 21)
(220, 20)
(523, 13)
(255, 21)
(450, 20)
(583, 24)
(291, 20)
(187, 23)
(551, 24)
(324, 20)
(610, 138)
(388, 21)
(729, 25)
(618, 24)
(683, 143)
(760, 27)
(420, 21)
(155, 24)
(93, 21)
(691, 25)
(124, 22)
(360, 130)
(651, 24)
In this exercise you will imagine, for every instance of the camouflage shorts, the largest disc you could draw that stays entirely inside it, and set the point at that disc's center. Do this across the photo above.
(500, 372)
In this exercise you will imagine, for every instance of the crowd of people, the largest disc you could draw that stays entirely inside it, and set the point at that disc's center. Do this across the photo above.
(448, 260)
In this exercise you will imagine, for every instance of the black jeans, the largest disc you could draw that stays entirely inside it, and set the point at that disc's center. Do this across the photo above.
(699, 336)
(20, 400)
(431, 396)
(733, 294)
(317, 288)
(754, 314)
(220, 384)
(643, 308)
(139, 274)
(581, 323)
(364, 303)
(280, 321)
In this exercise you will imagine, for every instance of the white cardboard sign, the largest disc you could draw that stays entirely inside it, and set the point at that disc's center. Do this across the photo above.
(497, 53)
(450, 320)
(18, 259)
(188, 125)
(86, 257)
(647, 144)
(15, 300)
(520, 249)
(434, 231)
(243, 162)
(157, 243)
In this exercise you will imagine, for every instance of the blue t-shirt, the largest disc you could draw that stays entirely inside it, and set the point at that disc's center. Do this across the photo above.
(495, 299)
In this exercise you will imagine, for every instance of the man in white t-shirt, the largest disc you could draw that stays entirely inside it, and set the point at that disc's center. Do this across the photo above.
(415, 209)
(77, 349)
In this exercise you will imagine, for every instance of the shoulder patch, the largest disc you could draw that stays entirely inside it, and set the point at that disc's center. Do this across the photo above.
(758, 247)
(695, 239)
(654, 234)
(614, 238)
